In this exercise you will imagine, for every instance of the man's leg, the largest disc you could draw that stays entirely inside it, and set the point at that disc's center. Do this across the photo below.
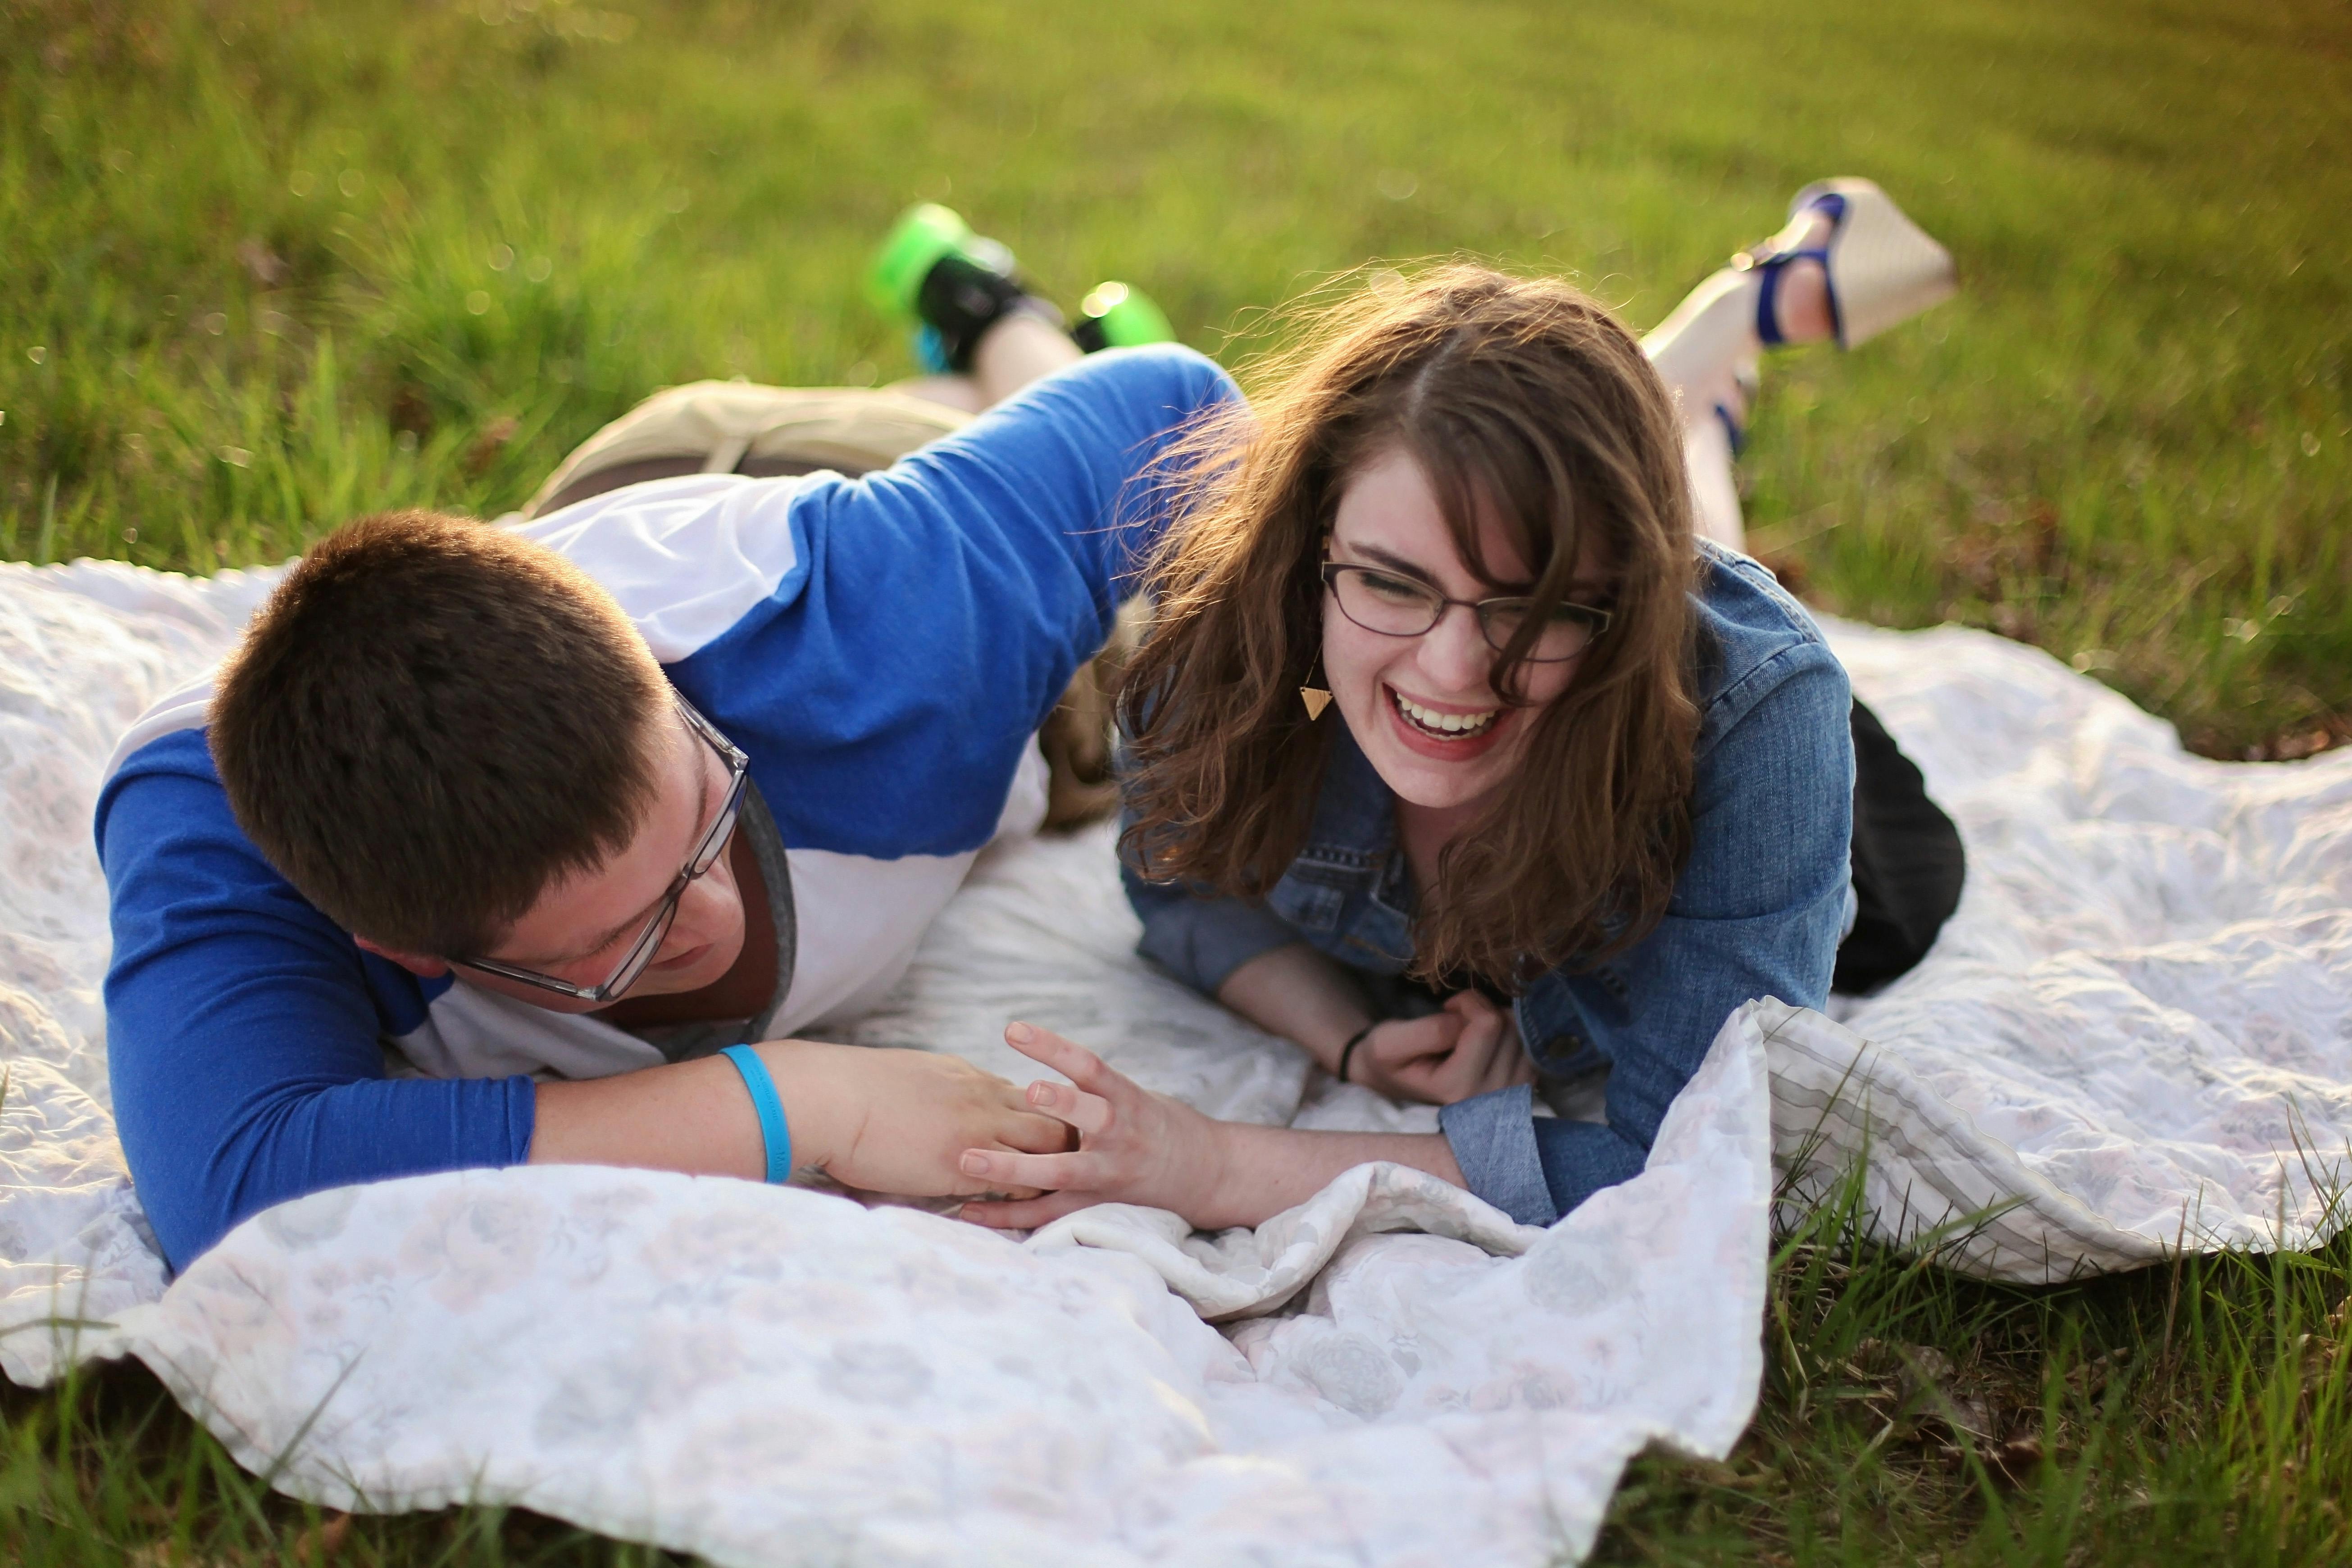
(1010, 354)
(959, 289)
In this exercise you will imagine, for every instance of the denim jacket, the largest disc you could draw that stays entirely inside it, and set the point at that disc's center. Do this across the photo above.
(1758, 911)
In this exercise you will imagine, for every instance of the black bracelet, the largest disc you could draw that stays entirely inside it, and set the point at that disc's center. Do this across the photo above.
(1350, 1049)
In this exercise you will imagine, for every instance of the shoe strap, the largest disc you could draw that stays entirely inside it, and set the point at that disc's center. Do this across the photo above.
(1768, 292)
(1732, 429)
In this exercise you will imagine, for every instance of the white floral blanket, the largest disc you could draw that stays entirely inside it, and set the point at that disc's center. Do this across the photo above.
(2145, 1002)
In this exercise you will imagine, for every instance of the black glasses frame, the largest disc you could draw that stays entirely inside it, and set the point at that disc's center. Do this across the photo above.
(1595, 620)
(706, 854)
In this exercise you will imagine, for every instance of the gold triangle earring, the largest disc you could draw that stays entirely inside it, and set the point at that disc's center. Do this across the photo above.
(1317, 698)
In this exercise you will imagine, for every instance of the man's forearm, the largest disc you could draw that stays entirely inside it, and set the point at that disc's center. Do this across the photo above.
(694, 1117)
(883, 1121)
(1267, 1170)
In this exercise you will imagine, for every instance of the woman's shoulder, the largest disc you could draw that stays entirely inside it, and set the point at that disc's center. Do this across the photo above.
(1753, 638)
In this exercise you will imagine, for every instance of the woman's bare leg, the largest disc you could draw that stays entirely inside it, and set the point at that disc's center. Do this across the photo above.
(1708, 459)
(1707, 349)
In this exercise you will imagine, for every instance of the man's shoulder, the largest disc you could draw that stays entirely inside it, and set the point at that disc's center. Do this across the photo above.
(166, 745)
(179, 869)
(687, 559)
(1753, 637)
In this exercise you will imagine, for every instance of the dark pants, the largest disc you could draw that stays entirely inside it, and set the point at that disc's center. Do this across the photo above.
(1908, 863)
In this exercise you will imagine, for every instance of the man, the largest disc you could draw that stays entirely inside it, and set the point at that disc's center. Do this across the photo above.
(486, 839)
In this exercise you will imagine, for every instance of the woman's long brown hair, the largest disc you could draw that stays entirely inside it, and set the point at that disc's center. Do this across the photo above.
(1518, 397)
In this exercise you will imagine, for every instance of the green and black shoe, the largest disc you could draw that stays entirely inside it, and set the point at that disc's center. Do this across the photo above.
(933, 271)
(1115, 317)
(951, 283)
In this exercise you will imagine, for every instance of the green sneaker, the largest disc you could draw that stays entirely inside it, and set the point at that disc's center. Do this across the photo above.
(950, 284)
(1115, 317)
(916, 243)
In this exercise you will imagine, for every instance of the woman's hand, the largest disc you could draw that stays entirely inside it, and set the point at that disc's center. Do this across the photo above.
(1469, 1047)
(1134, 1146)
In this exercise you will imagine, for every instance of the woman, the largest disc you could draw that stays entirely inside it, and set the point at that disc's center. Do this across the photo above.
(1458, 760)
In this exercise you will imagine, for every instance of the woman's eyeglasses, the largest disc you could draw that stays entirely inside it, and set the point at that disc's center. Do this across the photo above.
(1395, 606)
(707, 851)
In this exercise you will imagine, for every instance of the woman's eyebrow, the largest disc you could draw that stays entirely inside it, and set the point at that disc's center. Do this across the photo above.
(1390, 560)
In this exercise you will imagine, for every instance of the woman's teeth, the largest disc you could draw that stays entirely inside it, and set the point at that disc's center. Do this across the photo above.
(1429, 720)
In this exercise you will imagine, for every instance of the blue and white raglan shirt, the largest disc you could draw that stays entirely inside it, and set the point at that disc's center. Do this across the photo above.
(884, 648)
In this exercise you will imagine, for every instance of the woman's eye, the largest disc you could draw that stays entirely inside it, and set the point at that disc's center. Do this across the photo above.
(1393, 588)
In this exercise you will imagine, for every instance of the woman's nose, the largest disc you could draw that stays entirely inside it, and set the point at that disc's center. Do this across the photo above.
(1454, 653)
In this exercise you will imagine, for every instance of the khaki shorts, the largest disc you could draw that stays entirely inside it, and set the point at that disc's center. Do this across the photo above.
(735, 428)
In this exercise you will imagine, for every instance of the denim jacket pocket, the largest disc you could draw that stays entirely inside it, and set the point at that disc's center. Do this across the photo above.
(1556, 1027)
(1310, 905)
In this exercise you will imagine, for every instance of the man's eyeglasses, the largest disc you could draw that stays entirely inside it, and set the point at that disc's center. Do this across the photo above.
(706, 854)
(1396, 606)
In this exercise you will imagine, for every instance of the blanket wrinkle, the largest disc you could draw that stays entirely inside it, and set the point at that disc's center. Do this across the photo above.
(2135, 1036)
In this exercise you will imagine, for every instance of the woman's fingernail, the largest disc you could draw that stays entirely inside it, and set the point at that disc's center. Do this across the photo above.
(975, 1164)
(1017, 1032)
(1039, 1093)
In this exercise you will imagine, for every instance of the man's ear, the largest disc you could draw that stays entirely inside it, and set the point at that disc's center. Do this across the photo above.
(416, 963)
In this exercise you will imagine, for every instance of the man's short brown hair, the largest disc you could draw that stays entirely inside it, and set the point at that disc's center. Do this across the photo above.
(429, 722)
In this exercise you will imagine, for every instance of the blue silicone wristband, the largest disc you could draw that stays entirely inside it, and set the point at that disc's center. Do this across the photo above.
(763, 1090)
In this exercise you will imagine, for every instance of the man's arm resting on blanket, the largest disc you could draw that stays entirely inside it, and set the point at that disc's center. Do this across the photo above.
(211, 1148)
(243, 1027)
(242, 1043)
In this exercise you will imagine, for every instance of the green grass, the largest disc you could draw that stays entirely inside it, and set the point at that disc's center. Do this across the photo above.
(2188, 1414)
(105, 1471)
(268, 265)
(263, 266)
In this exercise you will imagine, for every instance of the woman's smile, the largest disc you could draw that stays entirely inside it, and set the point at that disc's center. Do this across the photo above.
(1446, 734)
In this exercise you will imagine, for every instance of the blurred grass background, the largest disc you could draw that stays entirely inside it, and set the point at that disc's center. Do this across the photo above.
(266, 266)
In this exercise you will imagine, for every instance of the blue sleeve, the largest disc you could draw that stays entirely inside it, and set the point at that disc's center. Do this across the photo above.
(1758, 912)
(942, 605)
(1063, 479)
(1199, 937)
(242, 1031)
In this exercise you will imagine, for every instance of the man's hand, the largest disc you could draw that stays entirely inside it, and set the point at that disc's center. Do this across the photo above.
(1468, 1049)
(1134, 1147)
(883, 1122)
(900, 1121)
